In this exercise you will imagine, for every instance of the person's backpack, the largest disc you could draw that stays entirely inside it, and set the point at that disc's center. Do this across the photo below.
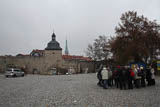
(132, 73)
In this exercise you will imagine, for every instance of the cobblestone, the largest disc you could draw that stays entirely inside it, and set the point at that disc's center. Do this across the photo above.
(72, 91)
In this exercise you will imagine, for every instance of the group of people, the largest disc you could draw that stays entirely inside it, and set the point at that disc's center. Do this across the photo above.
(125, 77)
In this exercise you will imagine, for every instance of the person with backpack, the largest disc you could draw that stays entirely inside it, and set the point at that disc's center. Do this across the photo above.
(130, 78)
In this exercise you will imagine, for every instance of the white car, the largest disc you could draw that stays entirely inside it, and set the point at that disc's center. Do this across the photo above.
(14, 72)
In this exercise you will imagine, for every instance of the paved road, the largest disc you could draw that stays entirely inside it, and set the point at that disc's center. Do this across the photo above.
(72, 91)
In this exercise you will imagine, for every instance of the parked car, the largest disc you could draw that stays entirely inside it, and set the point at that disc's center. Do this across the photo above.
(14, 72)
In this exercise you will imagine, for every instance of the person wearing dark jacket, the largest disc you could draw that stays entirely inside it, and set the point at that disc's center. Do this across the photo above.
(148, 77)
(142, 71)
(99, 76)
(122, 78)
(116, 76)
(110, 80)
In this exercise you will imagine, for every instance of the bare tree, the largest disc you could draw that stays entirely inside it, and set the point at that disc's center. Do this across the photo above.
(99, 50)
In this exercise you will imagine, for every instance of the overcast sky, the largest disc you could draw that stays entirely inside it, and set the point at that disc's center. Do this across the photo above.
(28, 24)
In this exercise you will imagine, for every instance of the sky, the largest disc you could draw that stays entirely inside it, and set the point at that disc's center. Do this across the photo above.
(28, 24)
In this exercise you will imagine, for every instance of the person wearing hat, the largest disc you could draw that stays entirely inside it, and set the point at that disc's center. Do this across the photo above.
(105, 77)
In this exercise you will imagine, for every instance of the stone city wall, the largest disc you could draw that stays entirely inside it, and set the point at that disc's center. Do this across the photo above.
(79, 66)
(27, 62)
(43, 64)
(40, 64)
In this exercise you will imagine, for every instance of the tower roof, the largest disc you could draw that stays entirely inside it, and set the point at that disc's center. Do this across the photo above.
(53, 44)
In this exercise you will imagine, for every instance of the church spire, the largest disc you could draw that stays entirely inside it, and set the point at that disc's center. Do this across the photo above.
(66, 48)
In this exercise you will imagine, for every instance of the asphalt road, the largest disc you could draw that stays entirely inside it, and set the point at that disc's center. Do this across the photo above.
(72, 91)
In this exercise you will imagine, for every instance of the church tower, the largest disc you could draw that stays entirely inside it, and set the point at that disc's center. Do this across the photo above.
(53, 53)
(66, 48)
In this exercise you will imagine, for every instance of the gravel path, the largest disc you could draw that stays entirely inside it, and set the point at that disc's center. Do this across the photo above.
(72, 91)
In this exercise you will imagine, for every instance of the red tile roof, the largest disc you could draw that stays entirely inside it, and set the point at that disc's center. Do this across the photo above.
(22, 55)
(73, 57)
(40, 52)
(37, 50)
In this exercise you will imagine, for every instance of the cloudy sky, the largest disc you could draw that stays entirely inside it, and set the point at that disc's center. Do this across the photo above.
(28, 24)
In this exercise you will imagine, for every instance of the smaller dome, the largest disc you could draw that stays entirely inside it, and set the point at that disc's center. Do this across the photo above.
(53, 35)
